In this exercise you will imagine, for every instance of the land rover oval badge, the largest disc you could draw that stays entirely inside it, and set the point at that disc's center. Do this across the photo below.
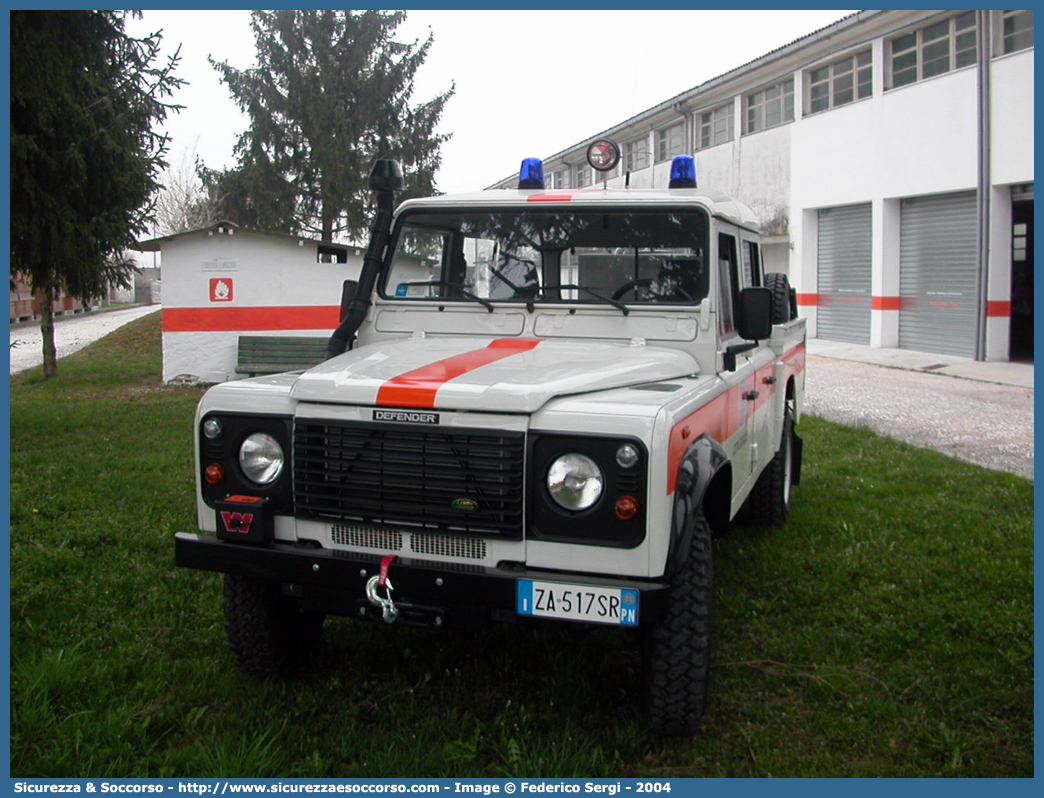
(464, 505)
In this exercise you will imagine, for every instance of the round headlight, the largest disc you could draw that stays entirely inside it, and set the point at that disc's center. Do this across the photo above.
(261, 458)
(575, 481)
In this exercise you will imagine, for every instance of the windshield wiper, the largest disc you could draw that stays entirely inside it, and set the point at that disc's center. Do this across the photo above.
(464, 292)
(527, 291)
(616, 304)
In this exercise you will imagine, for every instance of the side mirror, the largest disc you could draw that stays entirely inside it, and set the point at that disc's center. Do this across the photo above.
(347, 294)
(754, 322)
(755, 313)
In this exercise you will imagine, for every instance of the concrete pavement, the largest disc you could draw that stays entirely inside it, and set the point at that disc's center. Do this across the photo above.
(1003, 373)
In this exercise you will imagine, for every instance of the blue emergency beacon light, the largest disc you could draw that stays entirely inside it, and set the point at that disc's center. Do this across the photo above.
(531, 175)
(683, 172)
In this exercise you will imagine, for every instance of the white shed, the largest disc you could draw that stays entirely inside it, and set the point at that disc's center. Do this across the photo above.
(224, 280)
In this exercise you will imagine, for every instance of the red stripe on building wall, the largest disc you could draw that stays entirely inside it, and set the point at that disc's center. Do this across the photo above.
(885, 303)
(240, 319)
(808, 299)
(998, 309)
(417, 388)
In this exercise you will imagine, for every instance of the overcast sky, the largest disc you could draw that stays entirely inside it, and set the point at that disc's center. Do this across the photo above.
(528, 83)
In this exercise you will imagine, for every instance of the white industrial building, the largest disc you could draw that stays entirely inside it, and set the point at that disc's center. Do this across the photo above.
(889, 157)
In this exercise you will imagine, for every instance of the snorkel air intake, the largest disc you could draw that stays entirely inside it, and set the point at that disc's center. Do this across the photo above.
(385, 180)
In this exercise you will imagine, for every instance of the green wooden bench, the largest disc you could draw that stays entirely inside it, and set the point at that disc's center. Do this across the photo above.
(269, 354)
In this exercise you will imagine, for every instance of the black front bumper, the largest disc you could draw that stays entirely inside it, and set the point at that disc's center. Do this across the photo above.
(427, 593)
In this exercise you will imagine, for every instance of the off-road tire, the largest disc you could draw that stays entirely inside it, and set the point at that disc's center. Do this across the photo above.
(783, 309)
(270, 636)
(770, 498)
(677, 649)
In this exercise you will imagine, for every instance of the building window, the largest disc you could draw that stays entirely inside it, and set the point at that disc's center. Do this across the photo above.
(1016, 30)
(582, 175)
(770, 107)
(636, 154)
(933, 50)
(670, 142)
(717, 126)
(839, 83)
(559, 179)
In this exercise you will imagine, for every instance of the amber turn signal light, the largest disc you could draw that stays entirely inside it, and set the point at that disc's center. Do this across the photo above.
(626, 508)
(214, 473)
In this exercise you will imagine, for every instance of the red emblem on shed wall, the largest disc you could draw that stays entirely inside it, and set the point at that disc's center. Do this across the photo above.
(220, 289)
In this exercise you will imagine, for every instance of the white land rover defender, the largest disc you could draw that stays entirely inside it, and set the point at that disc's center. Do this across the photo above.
(539, 405)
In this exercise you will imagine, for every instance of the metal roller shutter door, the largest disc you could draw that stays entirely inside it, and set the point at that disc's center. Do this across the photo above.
(938, 274)
(843, 275)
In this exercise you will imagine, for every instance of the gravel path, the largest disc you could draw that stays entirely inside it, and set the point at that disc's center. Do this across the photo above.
(984, 423)
(71, 333)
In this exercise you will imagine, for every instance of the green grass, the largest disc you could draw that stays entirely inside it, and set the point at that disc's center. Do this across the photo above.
(886, 631)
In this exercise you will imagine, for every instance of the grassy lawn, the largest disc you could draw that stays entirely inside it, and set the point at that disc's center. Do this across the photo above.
(886, 631)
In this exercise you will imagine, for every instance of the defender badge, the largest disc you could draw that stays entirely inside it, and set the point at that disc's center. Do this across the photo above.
(464, 505)
(409, 416)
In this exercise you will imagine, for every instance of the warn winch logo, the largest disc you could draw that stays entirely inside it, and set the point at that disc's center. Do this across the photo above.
(411, 416)
(237, 522)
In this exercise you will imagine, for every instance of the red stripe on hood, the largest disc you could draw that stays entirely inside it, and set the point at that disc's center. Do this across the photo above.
(417, 388)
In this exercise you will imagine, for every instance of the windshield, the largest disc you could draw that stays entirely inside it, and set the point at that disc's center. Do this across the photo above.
(524, 255)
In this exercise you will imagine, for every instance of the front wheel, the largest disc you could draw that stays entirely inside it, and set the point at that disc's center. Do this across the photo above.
(677, 649)
(270, 636)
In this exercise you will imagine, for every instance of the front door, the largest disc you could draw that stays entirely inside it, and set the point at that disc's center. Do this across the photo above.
(1021, 346)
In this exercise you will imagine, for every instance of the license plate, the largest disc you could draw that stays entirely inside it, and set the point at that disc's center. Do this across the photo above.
(613, 605)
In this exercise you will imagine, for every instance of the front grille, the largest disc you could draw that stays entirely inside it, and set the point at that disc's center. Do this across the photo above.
(462, 548)
(392, 540)
(436, 480)
(366, 537)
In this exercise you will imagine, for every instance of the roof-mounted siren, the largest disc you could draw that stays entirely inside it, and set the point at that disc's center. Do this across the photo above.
(531, 175)
(683, 172)
(603, 155)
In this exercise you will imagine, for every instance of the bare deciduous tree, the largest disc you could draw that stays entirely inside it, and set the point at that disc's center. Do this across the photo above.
(183, 203)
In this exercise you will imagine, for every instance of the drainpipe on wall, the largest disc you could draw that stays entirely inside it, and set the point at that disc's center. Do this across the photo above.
(983, 31)
(686, 117)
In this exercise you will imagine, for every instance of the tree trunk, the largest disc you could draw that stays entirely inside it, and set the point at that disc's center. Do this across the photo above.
(50, 354)
(326, 222)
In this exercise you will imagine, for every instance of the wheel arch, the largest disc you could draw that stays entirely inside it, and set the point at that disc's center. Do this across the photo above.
(704, 479)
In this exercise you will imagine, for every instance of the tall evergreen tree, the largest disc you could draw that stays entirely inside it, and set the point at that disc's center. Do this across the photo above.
(84, 157)
(331, 93)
